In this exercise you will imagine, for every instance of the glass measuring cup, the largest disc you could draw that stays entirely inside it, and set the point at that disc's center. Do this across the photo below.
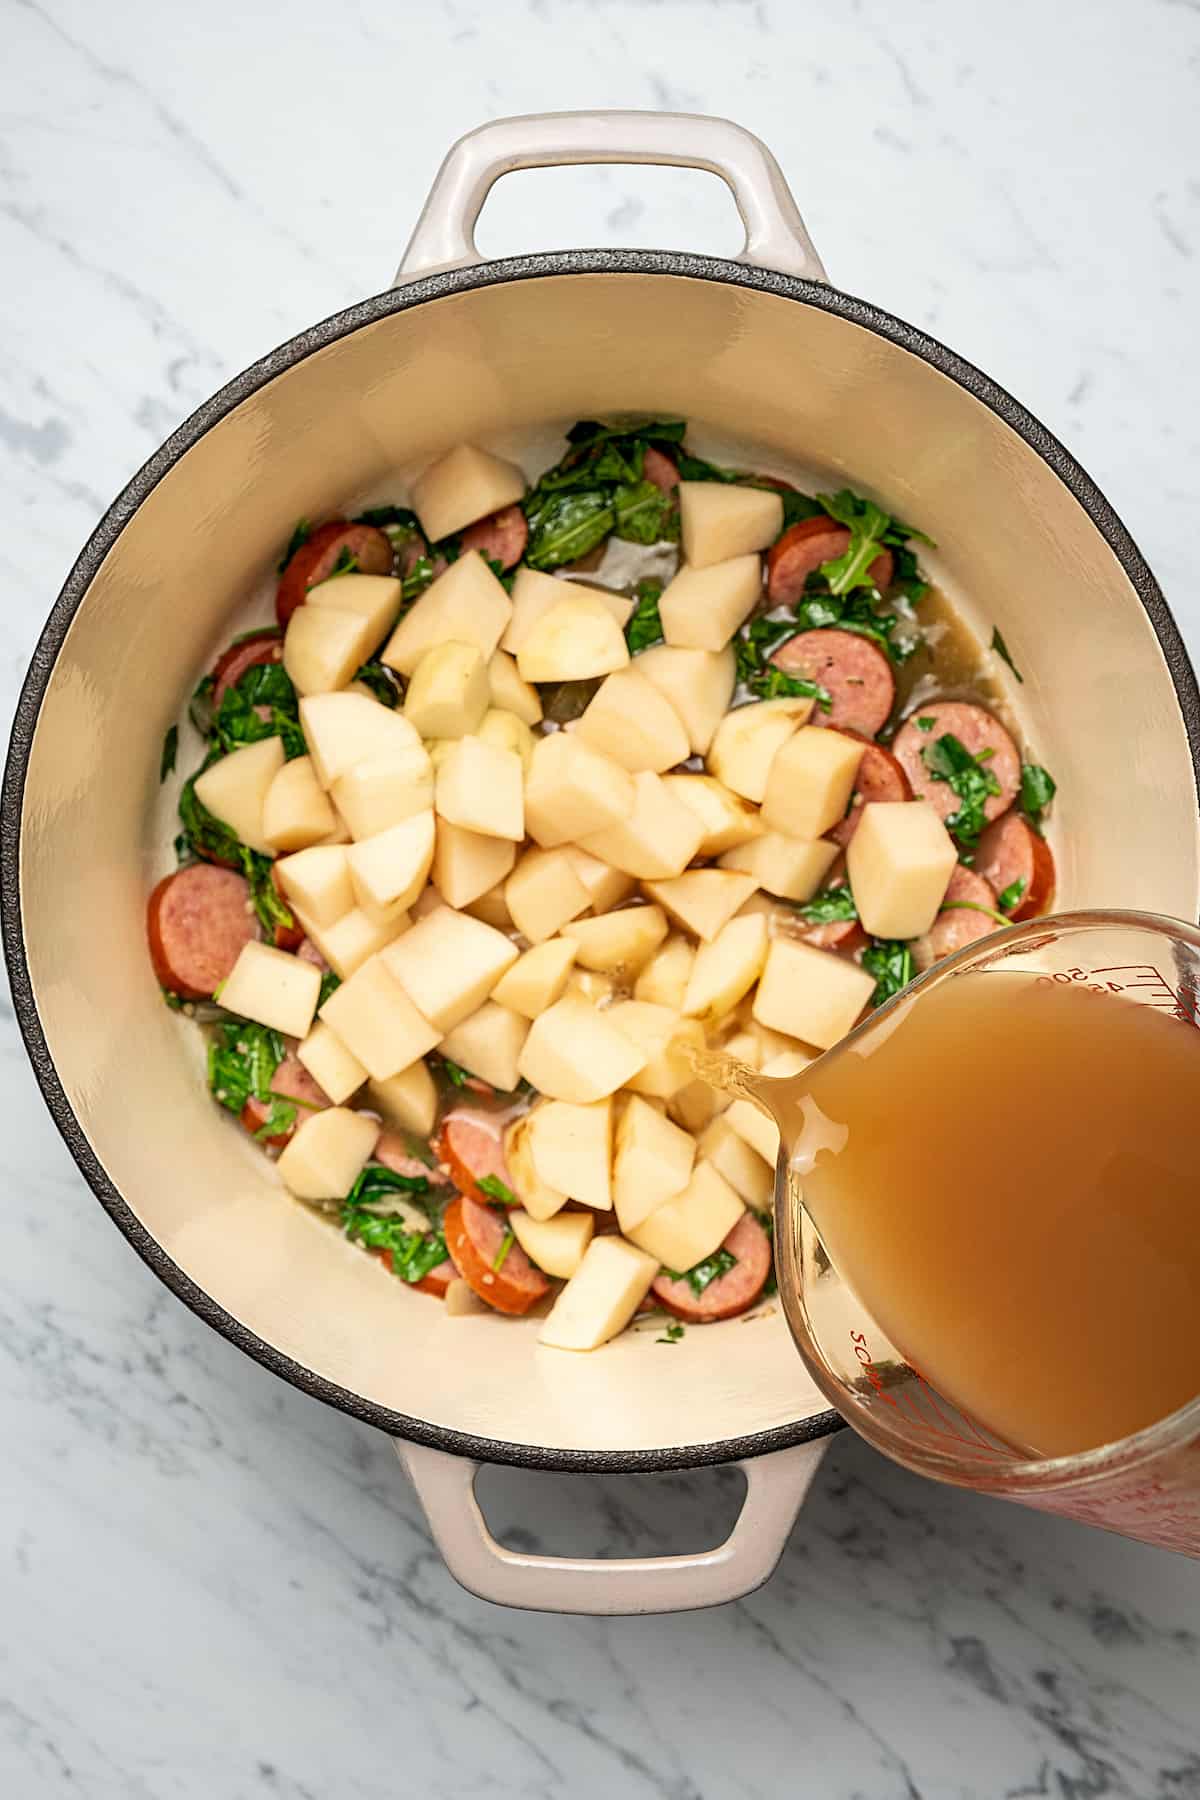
(1144, 1486)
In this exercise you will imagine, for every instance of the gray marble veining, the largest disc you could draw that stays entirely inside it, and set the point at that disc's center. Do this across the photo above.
(210, 1586)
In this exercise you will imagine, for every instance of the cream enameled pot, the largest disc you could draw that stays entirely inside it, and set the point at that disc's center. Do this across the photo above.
(759, 349)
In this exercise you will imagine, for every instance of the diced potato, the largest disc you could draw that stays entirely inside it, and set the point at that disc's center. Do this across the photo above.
(573, 1053)
(657, 839)
(787, 866)
(606, 886)
(408, 1099)
(533, 596)
(488, 1043)
(694, 1105)
(544, 892)
(555, 1245)
(811, 994)
(696, 1222)
(540, 1201)
(662, 1036)
(755, 1129)
(728, 820)
(466, 604)
(537, 979)
(318, 882)
(747, 740)
(698, 683)
(392, 918)
(771, 1044)
(273, 988)
(381, 791)
(354, 938)
(663, 981)
(726, 969)
(430, 902)
(328, 1153)
(492, 907)
(810, 781)
(747, 1046)
(900, 870)
(448, 692)
(509, 693)
(464, 485)
(296, 812)
(507, 732)
(702, 608)
(378, 1023)
(601, 1297)
(593, 986)
(333, 1066)
(572, 791)
(703, 901)
(390, 870)
(467, 865)
(322, 647)
(653, 1162)
(448, 963)
(375, 598)
(235, 789)
(741, 1165)
(571, 1146)
(629, 721)
(344, 730)
(619, 942)
(573, 641)
(480, 788)
(719, 519)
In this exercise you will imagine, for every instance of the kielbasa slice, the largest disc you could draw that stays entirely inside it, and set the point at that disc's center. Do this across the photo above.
(392, 1151)
(855, 671)
(976, 730)
(960, 926)
(500, 538)
(291, 1081)
(802, 549)
(197, 921)
(1011, 850)
(474, 1236)
(880, 777)
(658, 468)
(730, 1293)
(318, 556)
(471, 1145)
(264, 647)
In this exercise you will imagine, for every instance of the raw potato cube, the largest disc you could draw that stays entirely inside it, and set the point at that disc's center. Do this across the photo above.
(571, 1146)
(718, 519)
(743, 1168)
(786, 866)
(328, 1153)
(695, 1105)
(351, 940)
(663, 981)
(509, 692)
(659, 1034)
(273, 988)
(544, 892)
(619, 942)
(540, 1201)
(318, 882)
(747, 740)
(702, 608)
(467, 865)
(703, 900)
(573, 641)
(464, 485)
(629, 721)
(235, 789)
(480, 788)
(322, 647)
(811, 781)
(505, 731)
(393, 918)
(653, 1162)
(696, 1222)
(573, 1053)
(448, 693)
(488, 1043)
(728, 820)
(449, 963)
(332, 1066)
(658, 838)
(601, 1297)
(389, 871)
(756, 1130)
(590, 985)
(572, 791)
(534, 594)
(726, 969)
(377, 1021)
(383, 790)
(900, 871)
(809, 993)
(465, 605)
(343, 730)
(606, 886)
(492, 907)
(408, 1099)
(698, 684)
(375, 598)
(537, 979)
(555, 1245)
(296, 812)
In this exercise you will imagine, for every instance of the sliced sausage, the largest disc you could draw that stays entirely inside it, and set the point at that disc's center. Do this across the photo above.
(197, 921)
(952, 930)
(977, 730)
(802, 549)
(393, 1152)
(855, 671)
(437, 1280)
(659, 469)
(1011, 850)
(840, 934)
(265, 646)
(730, 1293)
(500, 538)
(317, 557)
(474, 1235)
(291, 1081)
(880, 777)
(471, 1145)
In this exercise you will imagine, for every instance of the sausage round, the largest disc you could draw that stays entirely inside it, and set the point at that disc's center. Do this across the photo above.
(265, 646)
(291, 1081)
(316, 558)
(960, 926)
(976, 729)
(197, 921)
(474, 1235)
(880, 777)
(659, 469)
(1011, 850)
(854, 670)
(730, 1293)
(392, 1151)
(802, 549)
(501, 537)
(471, 1145)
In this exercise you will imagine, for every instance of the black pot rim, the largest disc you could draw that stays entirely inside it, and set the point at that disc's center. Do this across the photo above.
(341, 324)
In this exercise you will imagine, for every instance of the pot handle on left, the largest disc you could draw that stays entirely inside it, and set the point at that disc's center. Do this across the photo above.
(775, 1488)
(776, 237)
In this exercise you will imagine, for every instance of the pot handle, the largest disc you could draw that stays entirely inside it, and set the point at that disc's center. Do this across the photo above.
(775, 1488)
(445, 232)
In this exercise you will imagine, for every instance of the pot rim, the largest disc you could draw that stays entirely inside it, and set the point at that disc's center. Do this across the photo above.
(294, 351)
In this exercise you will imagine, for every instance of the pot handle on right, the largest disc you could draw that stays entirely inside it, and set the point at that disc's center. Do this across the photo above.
(444, 237)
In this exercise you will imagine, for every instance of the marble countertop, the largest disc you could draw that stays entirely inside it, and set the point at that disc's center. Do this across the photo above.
(212, 1588)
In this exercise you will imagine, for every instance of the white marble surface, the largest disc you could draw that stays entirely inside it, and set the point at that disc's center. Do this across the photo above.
(210, 1587)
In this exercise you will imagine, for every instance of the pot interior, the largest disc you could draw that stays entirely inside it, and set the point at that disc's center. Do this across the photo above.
(814, 391)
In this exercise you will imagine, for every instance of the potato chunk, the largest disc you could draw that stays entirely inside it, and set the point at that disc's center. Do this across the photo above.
(540, 1201)
(728, 820)
(606, 886)
(900, 871)
(663, 981)
(448, 693)
(354, 938)
(376, 599)
(381, 791)
(534, 594)
(481, 788)
(235, 789)
(464, 485)
(629, 721)
(810, 781)
(466, 604)
(703, 900)
(743, 1168)
(505, 731)
(408, 1099)
(653, 1162)
(702, 608)
(555, 1245)
(544, 892)
(686, 1229)
(488, 1043)
(333, 1066)
(573, 1053)
(273, 988)
(572, 791)
(391, 869)
(322, 647)
(657, 840)
(661, 1035)
(601, 1297)
(374, 1017)
(726, 969)
(296, 812)
(619, 942)
(719, 520)
(467, 865)
(318, 881)
(573, 641)
(344, 730)
(698, 684)
(809, 993)
(509, 692)
(448, 963)
(571, 1146)
(537, 979)
(328, 1153)
(747, 740)
(787, 866)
